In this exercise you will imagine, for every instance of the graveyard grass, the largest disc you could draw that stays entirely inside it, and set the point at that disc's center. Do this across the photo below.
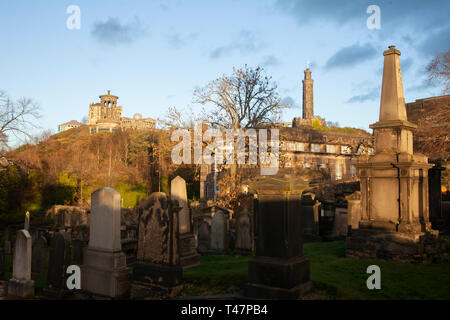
(334, 276)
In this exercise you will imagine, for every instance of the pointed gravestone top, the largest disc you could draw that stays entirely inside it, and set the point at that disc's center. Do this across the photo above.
(392, 105)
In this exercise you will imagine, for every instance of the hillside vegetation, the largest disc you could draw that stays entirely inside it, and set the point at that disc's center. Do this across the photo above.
(68, 166)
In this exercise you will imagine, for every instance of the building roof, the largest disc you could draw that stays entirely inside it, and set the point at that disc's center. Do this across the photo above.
(71, 123)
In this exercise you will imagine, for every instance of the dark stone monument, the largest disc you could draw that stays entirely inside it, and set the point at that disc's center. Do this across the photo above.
(435, 196)
(2, 264)
(204, 237)
(279, 270)
(39, 258)
(59, 260)
(77, 248)
(158, 270)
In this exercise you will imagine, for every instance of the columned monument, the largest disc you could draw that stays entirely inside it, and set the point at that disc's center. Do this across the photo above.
(394, 184)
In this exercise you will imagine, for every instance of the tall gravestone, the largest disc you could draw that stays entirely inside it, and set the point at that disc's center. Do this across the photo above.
(279, 270)
(59, 260)
(189, 256)
(310, 216)
(104, 272)
(158, 271)
(395, 222)
(21, 285)
(39, 258)
(204, 237)
(244, 232)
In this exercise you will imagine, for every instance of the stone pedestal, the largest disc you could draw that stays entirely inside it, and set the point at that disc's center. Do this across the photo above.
(105, 273)
(279, 270)
(166, 280)
(21, 288)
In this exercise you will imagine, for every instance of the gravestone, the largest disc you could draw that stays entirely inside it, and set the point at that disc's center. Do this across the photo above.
(204, 237)
(189, 256)
(7, 242)
(219, 229)
(244, 232)
(310, 216)
(58, 262)
(77, 248)
(2, 264)
(21, 285)
(340, 222)
(279, 270)
(353, 210)
(104, 272)
(39, 258)
(158, 270)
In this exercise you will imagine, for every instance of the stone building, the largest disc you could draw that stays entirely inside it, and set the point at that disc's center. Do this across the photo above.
(334, 151)
(69, 125)
(106, 116)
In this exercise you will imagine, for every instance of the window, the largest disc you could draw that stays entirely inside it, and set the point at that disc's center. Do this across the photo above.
(346, 150)
(338, 173)
(331, 149)
(306, 165)
(353, 170)
(300, 146)
(315, 147)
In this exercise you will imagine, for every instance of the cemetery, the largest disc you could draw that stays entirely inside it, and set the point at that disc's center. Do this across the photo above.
(133, 209)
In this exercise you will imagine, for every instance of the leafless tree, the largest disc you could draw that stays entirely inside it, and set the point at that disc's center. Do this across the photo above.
(17, 117)
(439, 71)
(246, 99)
(178, 118)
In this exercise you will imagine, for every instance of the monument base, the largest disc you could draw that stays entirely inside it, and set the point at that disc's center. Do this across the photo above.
(3, 288)
(156, 280)
(420, 247)
(189, 256)
(105, 273)
(275, 278)
(21, 288)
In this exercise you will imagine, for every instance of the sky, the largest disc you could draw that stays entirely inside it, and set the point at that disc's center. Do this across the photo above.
(154, 54)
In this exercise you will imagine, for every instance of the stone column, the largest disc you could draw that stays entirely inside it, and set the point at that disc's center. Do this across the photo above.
(188, 250)
(104, 272)
(21, 284)
(308, 104)
(279, 270)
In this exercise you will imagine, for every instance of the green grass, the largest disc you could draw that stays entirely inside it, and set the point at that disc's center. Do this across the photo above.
(334, 276)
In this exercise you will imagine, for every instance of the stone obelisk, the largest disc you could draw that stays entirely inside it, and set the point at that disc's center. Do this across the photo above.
(394, 184)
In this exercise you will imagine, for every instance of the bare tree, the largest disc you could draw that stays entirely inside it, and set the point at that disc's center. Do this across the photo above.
(246, 99)
(17, 117)
(439, 71)
(178, 118)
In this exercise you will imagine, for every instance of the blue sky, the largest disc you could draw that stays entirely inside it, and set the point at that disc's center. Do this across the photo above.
(153, 54)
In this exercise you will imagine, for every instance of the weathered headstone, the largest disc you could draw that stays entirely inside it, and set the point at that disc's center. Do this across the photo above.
(279, 270)
(244, 232)
(340, 222)
(189, 256)
(58, 262)
(21, 285)
(204, 237)
(39, 258)
(219, 229)
(77, 249)
(105, 272)
(310, 216)
(353, 210)
(158, 271)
